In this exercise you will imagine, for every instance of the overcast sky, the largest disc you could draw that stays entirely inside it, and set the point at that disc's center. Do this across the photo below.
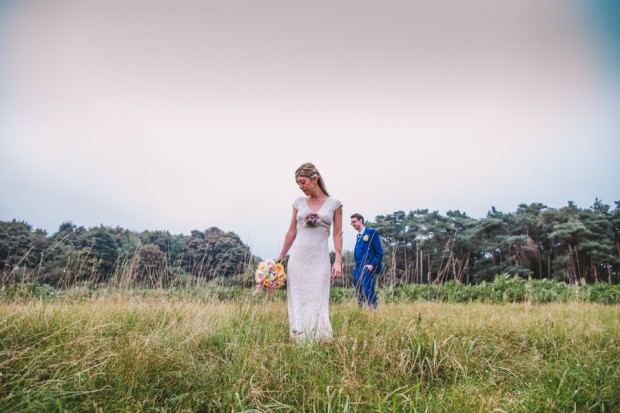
(182, 115)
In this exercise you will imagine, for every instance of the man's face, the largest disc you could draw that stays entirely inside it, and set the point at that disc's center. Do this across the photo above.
(356, 223)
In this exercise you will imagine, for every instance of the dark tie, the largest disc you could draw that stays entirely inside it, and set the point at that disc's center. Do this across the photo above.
(359, 236)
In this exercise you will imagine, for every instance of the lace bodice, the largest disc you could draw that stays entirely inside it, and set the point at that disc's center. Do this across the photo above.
(325, 212)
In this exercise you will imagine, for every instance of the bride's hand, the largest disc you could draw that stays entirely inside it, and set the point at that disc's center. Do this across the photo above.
(336, 270)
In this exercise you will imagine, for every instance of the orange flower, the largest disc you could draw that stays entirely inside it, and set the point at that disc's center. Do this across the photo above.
(269, 276)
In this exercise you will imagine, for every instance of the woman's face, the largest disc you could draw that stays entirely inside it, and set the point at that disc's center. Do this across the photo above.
(306, 184)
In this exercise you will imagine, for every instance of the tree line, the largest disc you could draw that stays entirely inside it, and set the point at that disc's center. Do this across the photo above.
(571, 244)
(76, 255)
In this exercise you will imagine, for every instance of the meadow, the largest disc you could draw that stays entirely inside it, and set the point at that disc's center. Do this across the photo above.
(114, 350)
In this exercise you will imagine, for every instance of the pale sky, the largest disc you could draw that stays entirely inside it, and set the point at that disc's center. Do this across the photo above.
(182, 115)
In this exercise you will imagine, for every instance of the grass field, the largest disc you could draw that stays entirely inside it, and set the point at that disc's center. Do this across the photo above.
(126, 352)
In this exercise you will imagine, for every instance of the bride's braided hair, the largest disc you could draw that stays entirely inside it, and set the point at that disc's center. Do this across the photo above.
(309, 170)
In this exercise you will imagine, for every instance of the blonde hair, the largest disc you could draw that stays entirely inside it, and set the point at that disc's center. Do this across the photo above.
(309, 171)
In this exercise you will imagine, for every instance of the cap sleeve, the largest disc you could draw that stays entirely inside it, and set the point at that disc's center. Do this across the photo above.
(337, 204)
(297, 203)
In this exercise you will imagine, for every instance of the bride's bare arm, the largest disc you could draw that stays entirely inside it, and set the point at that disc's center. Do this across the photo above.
(290, 236)
(337, 267)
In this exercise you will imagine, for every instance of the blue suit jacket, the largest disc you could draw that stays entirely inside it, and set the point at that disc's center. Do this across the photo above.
(368, 252)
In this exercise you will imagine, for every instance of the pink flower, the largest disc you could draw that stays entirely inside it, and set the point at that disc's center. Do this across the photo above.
(312, 219)
(259, 276)
(269, 276)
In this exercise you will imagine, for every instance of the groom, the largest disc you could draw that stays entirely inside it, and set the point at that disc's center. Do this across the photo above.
(368, 253)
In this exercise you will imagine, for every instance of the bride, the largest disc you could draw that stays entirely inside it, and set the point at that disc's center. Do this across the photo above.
(309, 270)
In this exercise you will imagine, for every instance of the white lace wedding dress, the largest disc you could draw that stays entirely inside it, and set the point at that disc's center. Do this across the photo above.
(309, 273)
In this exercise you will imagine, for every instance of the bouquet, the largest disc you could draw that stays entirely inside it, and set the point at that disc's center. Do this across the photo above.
(312, 219)
(269, 276)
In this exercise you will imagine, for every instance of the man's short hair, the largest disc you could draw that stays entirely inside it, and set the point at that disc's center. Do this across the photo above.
(358, 216)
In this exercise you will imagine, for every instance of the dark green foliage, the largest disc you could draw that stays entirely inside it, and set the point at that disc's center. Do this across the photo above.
(149, 267)
(127, 243)
(214, 252)
(62, 262)
(568, 244)
(170, 245)
(116, 256)
(97, 255)
(20, 246)
(504, 289)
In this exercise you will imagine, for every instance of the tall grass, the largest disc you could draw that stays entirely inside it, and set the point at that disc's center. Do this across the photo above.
(126, 351)
(505, 289)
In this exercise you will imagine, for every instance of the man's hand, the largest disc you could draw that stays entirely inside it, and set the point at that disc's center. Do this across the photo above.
(370, 267)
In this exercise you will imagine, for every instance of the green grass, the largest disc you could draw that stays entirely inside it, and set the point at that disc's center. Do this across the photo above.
(504, 289)
(128, 351)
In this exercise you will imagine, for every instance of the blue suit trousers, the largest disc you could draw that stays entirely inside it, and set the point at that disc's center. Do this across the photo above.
(364, 282)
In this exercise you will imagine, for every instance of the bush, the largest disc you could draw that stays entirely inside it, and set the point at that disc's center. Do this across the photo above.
(504, 289)
(29, 291)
